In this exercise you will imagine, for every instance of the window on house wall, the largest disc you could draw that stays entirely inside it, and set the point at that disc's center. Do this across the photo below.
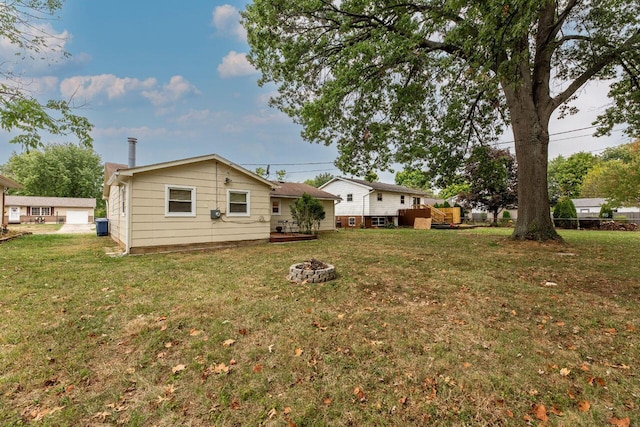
(238, 203)
(123, 200)
(180, 201)
(379, 197)
(352, 221)
(416, 200)
(402, 199)
(275, 207)
(40, 210)
(349, 197)
(378, 221)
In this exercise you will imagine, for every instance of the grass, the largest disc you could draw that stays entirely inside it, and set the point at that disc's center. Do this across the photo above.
(435, 327)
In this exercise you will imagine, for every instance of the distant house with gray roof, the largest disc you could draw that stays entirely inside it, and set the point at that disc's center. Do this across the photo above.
(37, 209)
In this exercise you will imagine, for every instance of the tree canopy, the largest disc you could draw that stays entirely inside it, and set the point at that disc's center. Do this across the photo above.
(20, 109)
(617, 179)
(308, 212)
(58, 170)
(491, 174)
(566, 174)
(420, 82)
(320, 179)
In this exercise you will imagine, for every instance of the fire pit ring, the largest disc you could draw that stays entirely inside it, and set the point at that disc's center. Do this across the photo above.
(311, 271)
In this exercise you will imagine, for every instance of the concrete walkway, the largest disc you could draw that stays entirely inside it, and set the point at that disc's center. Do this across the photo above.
(77, 229)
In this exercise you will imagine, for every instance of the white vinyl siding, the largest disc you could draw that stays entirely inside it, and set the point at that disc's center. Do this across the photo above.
(239, 203)
(180, 201)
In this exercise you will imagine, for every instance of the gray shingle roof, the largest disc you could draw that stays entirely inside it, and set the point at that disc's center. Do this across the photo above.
(61, 202)
(297, 189)
(386, 187)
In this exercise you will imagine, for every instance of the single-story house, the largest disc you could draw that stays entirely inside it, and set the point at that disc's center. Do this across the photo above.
(590, 207)
(287, 193)
(187, 204)
(39, 209)
(5, 184)
(373, 204)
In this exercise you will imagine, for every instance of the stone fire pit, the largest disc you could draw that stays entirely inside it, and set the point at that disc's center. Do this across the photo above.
(311, 271)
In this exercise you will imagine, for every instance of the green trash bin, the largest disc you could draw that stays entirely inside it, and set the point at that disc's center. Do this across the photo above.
(102, 227)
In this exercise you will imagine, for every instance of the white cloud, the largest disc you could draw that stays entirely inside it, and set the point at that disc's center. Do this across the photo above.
(87, 88)
(177, 88)
(226, 20)
(110, 87)
(235, 64)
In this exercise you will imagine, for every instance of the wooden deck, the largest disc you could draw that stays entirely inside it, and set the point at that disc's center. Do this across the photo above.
(290, 237)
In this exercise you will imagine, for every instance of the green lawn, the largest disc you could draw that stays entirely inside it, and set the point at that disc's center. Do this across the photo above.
(437, 327)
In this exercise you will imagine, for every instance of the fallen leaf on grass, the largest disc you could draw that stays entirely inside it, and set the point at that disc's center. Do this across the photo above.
(584, 406)
(257, 368)
(326, 400)
(298, 352)
(229, 342)
(402, 400)
(466, 365)
(555, 410)
(220, 368)
(272, 413)
(611, 331)
(287, 410)
(630, 328)
(619, 422)
(540, 412)
(360, 394)
(597, 381)
(178, 368)
(565, 372)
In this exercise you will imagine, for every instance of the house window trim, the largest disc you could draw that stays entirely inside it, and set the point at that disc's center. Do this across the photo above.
(273, 202)
(350, 197)
(40, 210)
(351, 221)
(189, 214)
(248, 203)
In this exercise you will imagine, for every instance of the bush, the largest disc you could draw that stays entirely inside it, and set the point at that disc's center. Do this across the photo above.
(506, 215)
(564, 214)
(606, 212)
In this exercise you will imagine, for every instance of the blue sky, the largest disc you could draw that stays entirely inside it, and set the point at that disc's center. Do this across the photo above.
(175, 77)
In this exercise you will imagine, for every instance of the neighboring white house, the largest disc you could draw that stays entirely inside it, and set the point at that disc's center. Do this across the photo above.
(38, 209)
(373, 204)
(187, 204)
(5, 184)
(287, 193)
(592, 206)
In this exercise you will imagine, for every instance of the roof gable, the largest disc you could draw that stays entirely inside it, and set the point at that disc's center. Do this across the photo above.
(129, 172)
(8, 182)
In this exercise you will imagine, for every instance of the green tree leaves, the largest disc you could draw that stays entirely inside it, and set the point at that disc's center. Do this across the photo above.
(59, 170)
(308, 212)
(20, 110)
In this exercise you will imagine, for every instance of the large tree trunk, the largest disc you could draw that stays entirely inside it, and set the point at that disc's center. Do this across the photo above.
(531, 134)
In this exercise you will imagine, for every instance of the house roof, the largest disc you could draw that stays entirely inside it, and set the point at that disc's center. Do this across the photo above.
(589, 202)
(392, 188)
(109, 170)
(8, 182)
(61, 202)
(297, 189)
(127, 172)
